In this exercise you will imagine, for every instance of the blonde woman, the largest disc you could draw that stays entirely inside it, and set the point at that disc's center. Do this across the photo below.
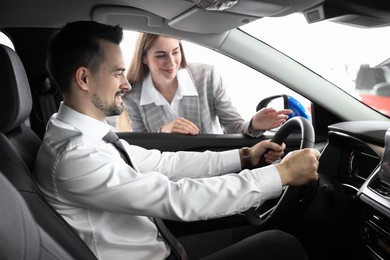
(172, 96)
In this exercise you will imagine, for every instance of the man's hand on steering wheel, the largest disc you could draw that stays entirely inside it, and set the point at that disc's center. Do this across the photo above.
(298, 173)
(299, 167)
(268, 150)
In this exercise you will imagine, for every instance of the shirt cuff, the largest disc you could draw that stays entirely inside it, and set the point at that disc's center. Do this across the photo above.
(231, 161)
(269, 181)
(250, 131)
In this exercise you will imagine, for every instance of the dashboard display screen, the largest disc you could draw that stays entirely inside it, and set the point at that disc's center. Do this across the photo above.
(384, 172)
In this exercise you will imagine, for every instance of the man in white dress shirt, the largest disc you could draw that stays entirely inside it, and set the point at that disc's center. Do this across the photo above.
(109, 202)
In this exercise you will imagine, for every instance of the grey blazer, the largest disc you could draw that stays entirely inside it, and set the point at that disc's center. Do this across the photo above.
(212, 110)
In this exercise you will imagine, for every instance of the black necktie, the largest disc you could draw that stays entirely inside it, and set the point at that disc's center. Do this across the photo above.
(112, 138)
(169, 238)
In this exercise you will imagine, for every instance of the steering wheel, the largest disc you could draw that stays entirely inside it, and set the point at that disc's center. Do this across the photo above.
(294, 199)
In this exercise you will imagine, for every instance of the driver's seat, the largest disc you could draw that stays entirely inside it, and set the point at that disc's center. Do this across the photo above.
(18, 148)
(28, 240)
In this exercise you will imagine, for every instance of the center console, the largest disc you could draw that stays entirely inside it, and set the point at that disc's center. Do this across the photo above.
(375, 195)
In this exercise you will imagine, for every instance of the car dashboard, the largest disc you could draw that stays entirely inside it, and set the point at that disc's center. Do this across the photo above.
(354, 156)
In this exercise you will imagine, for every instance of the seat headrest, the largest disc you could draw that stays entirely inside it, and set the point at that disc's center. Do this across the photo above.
(15, 93)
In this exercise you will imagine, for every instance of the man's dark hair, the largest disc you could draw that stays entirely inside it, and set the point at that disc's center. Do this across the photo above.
(77, 45)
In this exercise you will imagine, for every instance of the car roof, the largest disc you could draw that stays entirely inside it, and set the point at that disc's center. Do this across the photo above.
(182, 15)
(55, 13)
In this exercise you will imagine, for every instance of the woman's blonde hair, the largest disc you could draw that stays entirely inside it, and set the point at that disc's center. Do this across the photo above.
(137, 69)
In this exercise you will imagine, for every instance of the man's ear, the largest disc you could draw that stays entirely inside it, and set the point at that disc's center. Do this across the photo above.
(83, 77)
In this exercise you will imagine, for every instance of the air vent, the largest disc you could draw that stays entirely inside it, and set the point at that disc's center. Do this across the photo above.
(381, 188)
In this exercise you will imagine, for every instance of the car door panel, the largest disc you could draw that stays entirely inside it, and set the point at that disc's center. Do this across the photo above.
(178, 142)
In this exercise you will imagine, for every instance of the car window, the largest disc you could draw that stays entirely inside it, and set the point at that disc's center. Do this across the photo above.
(237, 77)
(345, 55)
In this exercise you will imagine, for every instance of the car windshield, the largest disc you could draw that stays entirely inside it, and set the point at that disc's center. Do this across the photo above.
(346, 56)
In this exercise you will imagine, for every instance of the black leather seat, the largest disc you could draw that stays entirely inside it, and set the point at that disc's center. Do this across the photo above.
(21, 237)
(18, 148)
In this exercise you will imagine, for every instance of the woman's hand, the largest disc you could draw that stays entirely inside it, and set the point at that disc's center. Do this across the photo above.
(180, 126)
(268, 118)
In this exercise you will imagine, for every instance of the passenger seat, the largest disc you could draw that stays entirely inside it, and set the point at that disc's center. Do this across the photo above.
(18, 148)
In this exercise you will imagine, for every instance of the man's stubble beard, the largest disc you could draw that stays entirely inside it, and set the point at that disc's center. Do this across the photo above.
(108, 109)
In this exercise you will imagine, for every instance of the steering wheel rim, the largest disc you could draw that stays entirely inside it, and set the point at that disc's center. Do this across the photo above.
(293, 198)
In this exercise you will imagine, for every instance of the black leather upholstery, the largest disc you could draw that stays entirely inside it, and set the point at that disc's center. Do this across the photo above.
(15, 93)
(15, 106)
(18, 148)
(20, 236)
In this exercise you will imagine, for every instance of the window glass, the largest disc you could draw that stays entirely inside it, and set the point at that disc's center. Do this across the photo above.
(345, 55)
(237, 77)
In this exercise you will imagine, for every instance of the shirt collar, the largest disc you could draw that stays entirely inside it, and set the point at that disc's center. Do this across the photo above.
(186, 85)
(149, 94)
(85, 124)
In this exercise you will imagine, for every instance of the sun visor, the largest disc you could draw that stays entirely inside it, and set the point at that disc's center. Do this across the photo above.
(123, 15)
(201, 21)
(200, 18)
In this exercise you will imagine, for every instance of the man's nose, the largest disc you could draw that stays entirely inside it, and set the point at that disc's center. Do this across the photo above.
(126, 86)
